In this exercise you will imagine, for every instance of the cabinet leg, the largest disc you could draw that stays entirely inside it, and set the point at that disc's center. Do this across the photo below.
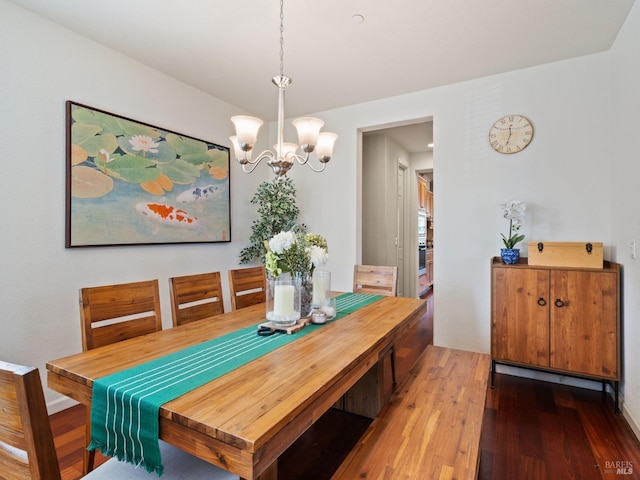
(616, 394)
(493, 373)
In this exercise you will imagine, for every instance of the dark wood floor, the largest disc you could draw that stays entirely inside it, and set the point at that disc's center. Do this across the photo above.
(545, 431)
(532, 430)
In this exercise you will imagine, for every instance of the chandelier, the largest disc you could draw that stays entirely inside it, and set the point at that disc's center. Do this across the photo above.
(282, 158)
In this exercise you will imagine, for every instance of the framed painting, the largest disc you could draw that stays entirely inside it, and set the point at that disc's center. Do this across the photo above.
(129, 183)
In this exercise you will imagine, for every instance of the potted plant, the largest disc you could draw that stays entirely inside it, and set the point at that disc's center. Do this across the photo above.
(278, 212)
(512, 210)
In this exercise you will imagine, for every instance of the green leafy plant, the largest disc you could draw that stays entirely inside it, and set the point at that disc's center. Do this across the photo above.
(278, 212)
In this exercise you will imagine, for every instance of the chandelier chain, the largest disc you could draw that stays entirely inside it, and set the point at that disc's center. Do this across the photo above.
(281, 38)
(284, 155)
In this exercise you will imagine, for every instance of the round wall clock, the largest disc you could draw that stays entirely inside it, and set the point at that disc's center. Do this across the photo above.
(511, 134)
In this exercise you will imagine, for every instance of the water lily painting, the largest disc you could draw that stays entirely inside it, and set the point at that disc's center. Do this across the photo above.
(130, 183)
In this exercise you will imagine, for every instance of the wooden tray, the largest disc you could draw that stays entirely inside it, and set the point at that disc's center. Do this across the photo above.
(296, 327)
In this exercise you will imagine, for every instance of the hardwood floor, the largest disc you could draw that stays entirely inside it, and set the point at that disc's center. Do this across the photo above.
(545, 431)
(532, 430)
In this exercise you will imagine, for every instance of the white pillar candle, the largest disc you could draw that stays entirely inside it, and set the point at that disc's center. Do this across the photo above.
(283, 300)
(319, 289)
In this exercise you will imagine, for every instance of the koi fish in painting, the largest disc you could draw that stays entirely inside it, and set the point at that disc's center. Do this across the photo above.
(200, 194)
(167, 215)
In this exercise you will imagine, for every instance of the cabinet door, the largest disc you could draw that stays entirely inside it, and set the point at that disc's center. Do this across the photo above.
(520, 315)
(584, 326)
(422, 193)
(428, 203)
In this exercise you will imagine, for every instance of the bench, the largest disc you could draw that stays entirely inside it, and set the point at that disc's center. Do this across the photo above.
(431, 429)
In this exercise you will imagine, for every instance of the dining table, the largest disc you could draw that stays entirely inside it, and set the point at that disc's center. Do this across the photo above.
(245, 419)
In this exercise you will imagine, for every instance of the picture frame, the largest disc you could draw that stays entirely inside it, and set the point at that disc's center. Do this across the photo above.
(131, 183)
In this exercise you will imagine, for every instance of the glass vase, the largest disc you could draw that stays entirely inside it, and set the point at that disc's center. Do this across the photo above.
(321, 287)
(283, 299)
(323, 301)
(306, 294)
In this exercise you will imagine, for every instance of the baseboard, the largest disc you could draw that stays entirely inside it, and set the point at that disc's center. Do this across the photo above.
(548, 377)
(60, 404)
(633, 423)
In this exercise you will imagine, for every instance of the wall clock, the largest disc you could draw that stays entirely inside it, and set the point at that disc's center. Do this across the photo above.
(511, 134)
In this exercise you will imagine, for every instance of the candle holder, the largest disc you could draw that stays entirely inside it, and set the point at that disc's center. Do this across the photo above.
(328, 307)
(321, 287)
(283, 300)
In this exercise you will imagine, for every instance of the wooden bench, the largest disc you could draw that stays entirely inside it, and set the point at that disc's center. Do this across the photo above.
(431, 429)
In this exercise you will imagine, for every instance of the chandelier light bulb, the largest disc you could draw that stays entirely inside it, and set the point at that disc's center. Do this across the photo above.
(246, 131)
(242, 156)
(324, 149)
(287, 152)
(308, 130)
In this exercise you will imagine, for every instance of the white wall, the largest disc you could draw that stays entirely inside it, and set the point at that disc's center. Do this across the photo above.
(623, 162)
(573, 180)
(42, 66)
(566, 176)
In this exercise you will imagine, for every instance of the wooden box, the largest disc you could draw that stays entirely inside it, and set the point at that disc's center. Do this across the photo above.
(566, 254)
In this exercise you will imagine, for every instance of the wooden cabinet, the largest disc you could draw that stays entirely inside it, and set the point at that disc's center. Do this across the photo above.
(422, 193)
(565, 320)
(425, 197)
(428, 203)
(426, 279)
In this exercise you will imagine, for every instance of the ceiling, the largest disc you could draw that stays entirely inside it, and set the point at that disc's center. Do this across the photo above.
(414, 137)
(230, 49)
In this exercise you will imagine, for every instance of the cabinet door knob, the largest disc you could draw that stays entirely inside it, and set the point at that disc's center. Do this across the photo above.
(542, 302)
(559, 303)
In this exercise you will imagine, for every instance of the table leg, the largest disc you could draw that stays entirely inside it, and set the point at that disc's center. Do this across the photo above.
(271, 473)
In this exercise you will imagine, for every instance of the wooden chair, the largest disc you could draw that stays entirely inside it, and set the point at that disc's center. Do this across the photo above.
(194, 297)
(112, 313)
(27, 450)
(248, 287)
(378, 280)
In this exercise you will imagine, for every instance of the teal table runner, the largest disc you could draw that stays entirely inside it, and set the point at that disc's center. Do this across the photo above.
(125, 407)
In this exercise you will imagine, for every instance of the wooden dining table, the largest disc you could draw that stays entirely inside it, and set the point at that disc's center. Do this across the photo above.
(244, 420)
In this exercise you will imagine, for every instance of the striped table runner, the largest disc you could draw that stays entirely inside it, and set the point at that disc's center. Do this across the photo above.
(124, 415)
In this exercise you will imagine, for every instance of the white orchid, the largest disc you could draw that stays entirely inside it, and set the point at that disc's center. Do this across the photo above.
(514, 211)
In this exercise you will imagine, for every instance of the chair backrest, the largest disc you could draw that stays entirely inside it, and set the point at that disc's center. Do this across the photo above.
(111, 313)
(248, 287)
(27, 450)
(194, 297)
(379, 280)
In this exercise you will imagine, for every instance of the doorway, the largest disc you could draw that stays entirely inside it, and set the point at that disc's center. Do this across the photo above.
(392, 156)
